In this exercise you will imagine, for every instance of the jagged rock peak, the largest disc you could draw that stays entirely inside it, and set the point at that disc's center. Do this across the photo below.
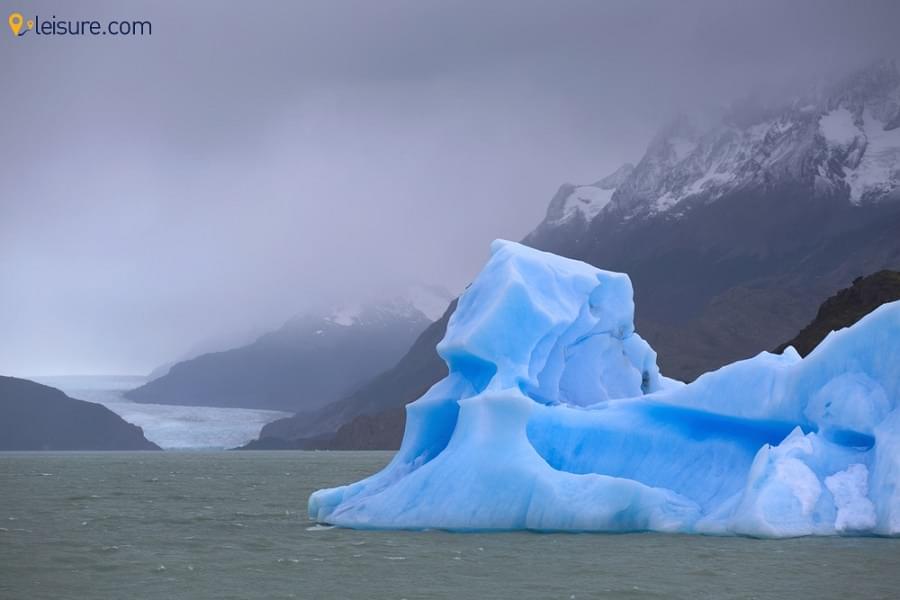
(840, 140)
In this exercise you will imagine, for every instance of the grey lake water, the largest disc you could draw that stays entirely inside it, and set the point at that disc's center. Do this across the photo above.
(185, 525)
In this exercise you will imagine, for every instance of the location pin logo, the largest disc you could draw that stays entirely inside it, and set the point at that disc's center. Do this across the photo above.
(15, 22)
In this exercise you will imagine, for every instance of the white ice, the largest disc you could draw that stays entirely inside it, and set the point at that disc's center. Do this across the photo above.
(838, 127)
(172, 427)
(554, 417)
(878, 169)
(588, 200)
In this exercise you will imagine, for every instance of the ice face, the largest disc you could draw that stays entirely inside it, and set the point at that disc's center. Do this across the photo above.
(554, 417)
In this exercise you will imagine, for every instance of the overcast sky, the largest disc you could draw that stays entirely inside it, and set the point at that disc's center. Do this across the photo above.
(252, 159)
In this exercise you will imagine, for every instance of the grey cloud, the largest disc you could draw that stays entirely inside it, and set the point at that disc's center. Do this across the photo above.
(249, 161)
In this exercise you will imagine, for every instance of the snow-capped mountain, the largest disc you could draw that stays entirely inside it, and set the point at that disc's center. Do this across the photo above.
(842, 139)
(733, 226)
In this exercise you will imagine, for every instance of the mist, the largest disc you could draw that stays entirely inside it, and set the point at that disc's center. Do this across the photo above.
(246, 163)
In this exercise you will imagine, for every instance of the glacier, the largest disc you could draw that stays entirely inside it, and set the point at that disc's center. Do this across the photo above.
(554, 417)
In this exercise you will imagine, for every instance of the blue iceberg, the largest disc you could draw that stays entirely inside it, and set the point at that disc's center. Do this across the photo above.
(554, 417)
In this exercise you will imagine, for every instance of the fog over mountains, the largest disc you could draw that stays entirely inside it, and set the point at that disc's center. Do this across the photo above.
(309, 362)
(735, 228)
(347, 148)
(732, 233)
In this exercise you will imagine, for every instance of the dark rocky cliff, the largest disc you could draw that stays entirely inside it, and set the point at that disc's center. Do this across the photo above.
(846, 308)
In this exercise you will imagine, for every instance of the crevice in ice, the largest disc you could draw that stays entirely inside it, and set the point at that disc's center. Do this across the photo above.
(645, 382)
(850, 438)
(655, 444)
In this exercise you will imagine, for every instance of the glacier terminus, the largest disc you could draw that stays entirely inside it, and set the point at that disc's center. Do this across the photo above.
(554, 417)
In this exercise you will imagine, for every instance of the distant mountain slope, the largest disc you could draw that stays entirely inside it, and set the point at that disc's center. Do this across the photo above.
(38, 417)
(217, 343)
(309, 362)
(846, 308)
(411, 377)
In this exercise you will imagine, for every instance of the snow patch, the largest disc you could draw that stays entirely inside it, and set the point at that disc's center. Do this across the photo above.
(588, 200)
(878, 172)
(345, 315)
(838, 127)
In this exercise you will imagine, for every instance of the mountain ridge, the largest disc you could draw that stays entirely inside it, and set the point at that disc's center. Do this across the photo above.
(34, 416)
(311, 360)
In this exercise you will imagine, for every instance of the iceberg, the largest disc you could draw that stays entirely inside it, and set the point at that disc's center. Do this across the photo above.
(554, 417)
